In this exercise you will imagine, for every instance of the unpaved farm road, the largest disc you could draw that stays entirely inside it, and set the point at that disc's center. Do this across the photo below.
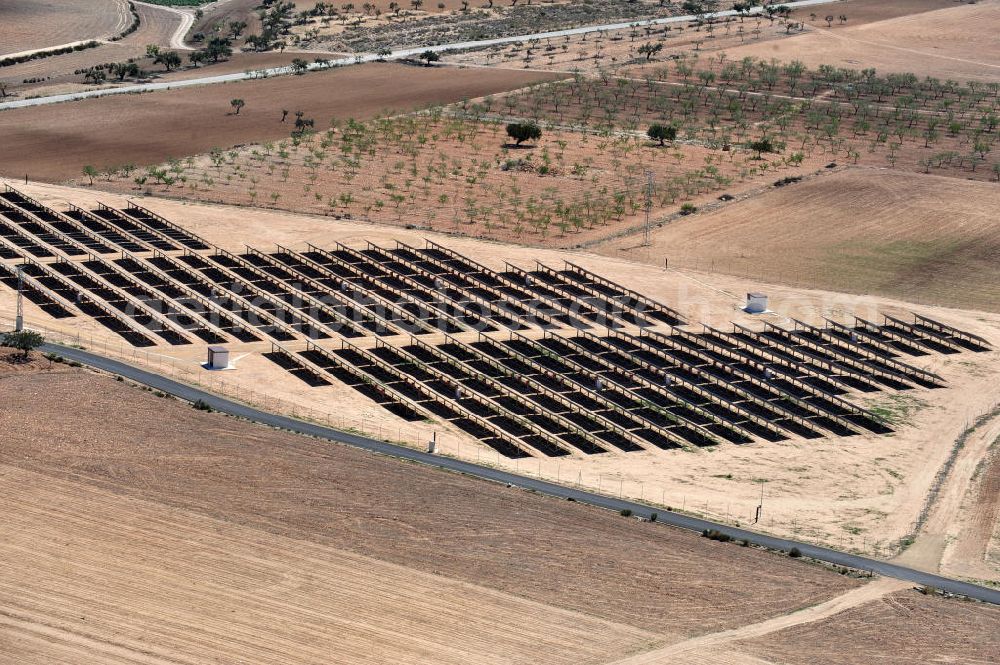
(187, 20)
(190, 394)
(361, 58)
(669, 654)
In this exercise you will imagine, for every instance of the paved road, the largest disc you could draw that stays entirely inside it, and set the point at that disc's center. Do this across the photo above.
(369, 57)
(224, 405)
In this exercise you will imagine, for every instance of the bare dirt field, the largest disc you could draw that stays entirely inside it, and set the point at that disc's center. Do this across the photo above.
(55, 142)
(899, 628)
(957, 42)
(915, 237)
(27, 25)
(52, 75)
(189, 495)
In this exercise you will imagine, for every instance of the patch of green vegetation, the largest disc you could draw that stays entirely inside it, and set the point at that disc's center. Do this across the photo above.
(885, 262)
(727, 476)
(896, 409)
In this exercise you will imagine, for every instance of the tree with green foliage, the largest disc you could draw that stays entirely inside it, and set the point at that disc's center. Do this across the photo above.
(124, 69)
(762, 145)
(429, 56)
(90, 172)
(523, 131)
(649, 49)
(25, 341)
(237, 104)
(218, 48)
(662, 133)
(169, 59)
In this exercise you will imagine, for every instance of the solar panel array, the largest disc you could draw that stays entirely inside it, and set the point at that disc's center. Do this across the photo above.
(531, 361)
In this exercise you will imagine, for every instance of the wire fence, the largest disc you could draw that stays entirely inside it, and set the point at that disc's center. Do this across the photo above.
(564, 471)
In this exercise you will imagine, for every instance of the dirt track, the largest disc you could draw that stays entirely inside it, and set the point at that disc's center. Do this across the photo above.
(901, 628)
(156, 26)
(55, 142)
(29, 24)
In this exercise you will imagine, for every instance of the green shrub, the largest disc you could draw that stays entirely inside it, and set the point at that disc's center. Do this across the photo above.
(795, 553)
(714, 534)
(626, 512)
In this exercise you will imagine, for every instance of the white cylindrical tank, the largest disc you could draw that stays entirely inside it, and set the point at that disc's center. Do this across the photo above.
(756, 302)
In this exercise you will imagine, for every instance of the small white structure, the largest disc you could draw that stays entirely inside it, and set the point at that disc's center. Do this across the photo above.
(218, 357)
(756, 303)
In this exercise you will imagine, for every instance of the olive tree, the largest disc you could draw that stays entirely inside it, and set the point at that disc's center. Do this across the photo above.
(662, 133)
(523, 131)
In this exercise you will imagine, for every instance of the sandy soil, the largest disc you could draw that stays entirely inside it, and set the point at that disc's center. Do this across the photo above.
(28, 24)
(957, 42)
(55, 142)
(915, 237)
(861, 493)
(590, 562)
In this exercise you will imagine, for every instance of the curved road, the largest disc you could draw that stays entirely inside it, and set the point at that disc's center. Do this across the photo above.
(224, 405)
(370, 57)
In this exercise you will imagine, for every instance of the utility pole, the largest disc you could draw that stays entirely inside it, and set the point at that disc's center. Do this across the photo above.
(19, 319)
(649, 203)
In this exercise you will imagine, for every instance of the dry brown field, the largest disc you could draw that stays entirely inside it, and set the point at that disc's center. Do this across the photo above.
(900, 628)
(27, 25)
(266, 540)
(915, 237)
(956, 42)
(55, 142)
(157, 27)
(616, 51)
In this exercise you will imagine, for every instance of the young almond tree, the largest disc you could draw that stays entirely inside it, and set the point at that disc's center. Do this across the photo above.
(237, 104)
